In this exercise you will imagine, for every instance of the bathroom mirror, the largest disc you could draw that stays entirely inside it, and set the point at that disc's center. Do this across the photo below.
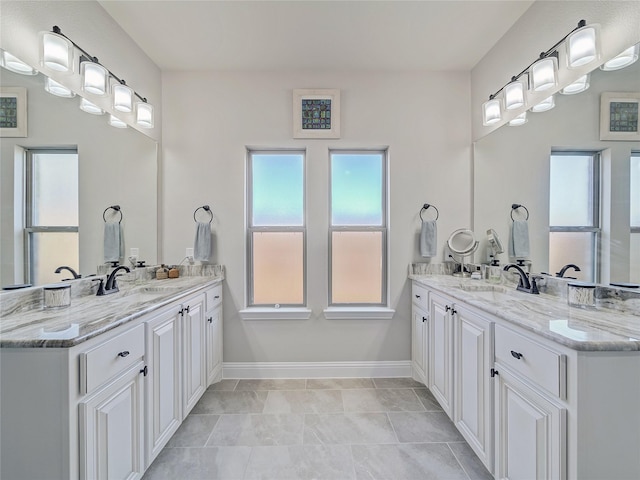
(462, 242)
(512, 165)
(115, 167)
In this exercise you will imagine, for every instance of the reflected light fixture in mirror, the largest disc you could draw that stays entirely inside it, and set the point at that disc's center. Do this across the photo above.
(122, 98)
(519, 120)
(57, 51)
(87, 106)
(491, 112)
(116, 122)
(580, 85)
(95, 78)
(513, 95)
(546, 104)
(144, 115)
(57, 89)
(622, 60)
(15, 65)
(582, 46)
(544, 74)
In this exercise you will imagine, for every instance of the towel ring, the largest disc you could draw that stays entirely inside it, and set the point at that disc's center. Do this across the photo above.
(112, 207)
(426, 207)
(515, 206)
(206, 208)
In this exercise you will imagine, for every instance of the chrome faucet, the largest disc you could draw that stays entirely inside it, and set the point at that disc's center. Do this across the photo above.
(111, 286)
(71, 270)
(525, 284)
(565, 268)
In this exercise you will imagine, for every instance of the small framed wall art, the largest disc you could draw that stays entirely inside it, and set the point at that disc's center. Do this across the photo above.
(619, 116)
(316, 113)
(13, 112)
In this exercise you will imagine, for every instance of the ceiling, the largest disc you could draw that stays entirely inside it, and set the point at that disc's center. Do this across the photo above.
(316, 35)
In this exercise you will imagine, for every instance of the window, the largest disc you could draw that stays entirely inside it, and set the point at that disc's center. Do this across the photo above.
(634, 199)
(276, 229)
(574, 212)
(51, 216)
(358, 229)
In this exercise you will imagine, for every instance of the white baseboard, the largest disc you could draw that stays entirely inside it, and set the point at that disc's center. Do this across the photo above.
(316, 369)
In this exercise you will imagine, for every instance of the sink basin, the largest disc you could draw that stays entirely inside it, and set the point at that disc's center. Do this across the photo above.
(160, 289)
(488, 292)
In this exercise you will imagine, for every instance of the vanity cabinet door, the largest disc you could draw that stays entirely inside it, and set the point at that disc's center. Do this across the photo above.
(440, 351)
(194, 367)
(214, 345)
(419, 329)
(530, 432)
(111, 429)
(163, 380)
(473, 408)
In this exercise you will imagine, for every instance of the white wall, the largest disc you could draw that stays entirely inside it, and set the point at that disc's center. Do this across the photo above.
(210, 119)
(541, 26)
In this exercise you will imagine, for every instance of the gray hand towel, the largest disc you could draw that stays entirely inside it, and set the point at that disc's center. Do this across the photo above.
(113, 242)
(202, 244)
(519, 241)
(428, 238)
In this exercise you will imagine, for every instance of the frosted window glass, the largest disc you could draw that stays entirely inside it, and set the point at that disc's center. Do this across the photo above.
(356, 189)
(572, 247)
(55, 189)
(356, 267)
(278, 269)
(635, 191)
(571, 187)
(50, 250)
(277, 189)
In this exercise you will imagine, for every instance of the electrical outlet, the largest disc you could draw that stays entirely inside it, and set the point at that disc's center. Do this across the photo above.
(189, 254)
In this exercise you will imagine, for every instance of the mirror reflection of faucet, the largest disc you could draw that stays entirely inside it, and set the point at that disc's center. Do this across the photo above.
(71, 270)
(564, 269)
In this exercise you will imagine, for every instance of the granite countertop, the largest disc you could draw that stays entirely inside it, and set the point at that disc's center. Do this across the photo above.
(90, 315)
(587, 329)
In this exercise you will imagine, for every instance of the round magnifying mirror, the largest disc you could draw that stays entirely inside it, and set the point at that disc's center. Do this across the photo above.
(462, 242)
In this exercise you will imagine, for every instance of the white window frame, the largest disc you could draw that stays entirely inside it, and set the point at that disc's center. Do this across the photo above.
(277, 311)
(355, 310)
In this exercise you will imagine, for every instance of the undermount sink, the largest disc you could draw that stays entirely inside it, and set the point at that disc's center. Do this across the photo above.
(488, 292)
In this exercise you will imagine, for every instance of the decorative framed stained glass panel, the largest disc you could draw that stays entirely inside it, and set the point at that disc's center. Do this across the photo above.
(13, 112)
(619, 118)
(316, 113)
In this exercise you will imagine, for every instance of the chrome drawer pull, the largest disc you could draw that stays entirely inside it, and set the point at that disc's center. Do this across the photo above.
(516, 355)
(123, 354)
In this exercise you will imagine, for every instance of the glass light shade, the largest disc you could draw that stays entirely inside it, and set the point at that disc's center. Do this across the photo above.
(57, 89)
(580, 85)
(624, 59)
(544, 74)
(491, 112)
(122, 98)
(16, 65)
(95, 78)
(116, 122)
(546, 104)
(87, 106)
(513, 95)
(582, 46)
(144, 115)
(57, 52)
(519, 120)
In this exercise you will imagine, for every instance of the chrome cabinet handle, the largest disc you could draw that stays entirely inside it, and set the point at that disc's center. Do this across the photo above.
(123, 354)
(516, 355)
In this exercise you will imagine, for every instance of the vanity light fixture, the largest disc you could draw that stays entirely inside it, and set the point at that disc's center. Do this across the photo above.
(519, 120)
(580, 85)
(57, 52)
(622, 60)
(546, 104)
(582, 48)
(87, 106)
(116, 122)
(57, 89)
(14, 64)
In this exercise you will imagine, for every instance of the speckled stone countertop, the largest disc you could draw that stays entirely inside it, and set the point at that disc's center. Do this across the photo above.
(90, 315)
(592, 329)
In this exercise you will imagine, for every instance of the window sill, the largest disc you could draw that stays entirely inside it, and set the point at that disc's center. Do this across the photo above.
(266, 313)
(364, 313)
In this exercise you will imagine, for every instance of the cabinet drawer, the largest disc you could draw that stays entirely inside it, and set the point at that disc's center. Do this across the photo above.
(419, 295)
(536, 362)
(214, 296)
(110, 358)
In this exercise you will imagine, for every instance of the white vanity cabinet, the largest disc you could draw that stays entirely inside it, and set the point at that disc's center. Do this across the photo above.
(419, 331)
(440, 350)
(194, 354)
(213, 328)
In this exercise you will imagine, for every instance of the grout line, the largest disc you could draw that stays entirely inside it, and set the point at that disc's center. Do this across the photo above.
(459, 462)
(212, 430)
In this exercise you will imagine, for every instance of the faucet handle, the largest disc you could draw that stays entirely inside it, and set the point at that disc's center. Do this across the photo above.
(534, 286)
(100, 287)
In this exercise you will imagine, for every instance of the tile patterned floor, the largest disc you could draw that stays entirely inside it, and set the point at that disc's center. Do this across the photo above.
(334, 429)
